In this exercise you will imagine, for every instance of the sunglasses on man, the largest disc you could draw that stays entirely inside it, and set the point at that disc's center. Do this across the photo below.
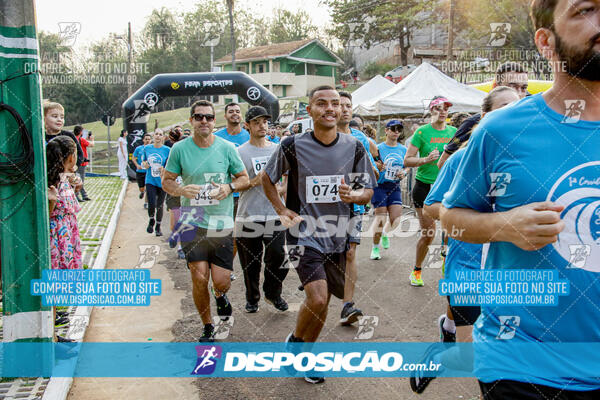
(397, 128)
(200, 117)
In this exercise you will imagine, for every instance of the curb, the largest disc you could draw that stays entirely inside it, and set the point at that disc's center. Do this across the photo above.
(58, 388)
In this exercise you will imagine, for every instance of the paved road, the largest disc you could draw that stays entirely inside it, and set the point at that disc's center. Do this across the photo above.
(406, 314)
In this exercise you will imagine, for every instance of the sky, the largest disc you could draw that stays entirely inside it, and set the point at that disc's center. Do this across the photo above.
(100, 17)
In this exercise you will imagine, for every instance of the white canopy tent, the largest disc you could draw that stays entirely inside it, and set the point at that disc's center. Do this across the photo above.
(413, 94)
(370, 90)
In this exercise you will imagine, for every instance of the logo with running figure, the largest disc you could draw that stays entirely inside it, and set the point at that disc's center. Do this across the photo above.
(148, 255)
(508, 326)
(68, 32)
(366, 327)
(435, 256)
(293, 254)
(579, 255)
(500, 181)
(207, 359)
(573, 111)
(223, 326)
(578, 191)
(499, 33)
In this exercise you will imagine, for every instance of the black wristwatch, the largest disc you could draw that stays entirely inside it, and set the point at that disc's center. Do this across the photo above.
(232, 187)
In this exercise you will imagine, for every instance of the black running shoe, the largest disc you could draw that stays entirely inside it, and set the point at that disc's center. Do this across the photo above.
(315, 380)
(62, 339)
(157, 231)
(278, 303)
(150, 227)
(141, 195)
(251, 308)
(445, 336)
(350, 314)
(292, 347)
(224, 308)
(208, 333)
(419, 382)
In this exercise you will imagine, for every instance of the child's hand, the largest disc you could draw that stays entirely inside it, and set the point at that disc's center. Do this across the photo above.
(75, 182)
(52, 193)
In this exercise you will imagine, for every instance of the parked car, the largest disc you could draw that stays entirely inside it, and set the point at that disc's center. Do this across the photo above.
(399, 73)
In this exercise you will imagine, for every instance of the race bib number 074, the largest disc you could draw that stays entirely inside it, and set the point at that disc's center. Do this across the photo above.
(323, 189)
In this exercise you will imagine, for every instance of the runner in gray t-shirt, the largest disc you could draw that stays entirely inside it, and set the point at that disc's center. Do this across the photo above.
(322, 165)
(257, 223)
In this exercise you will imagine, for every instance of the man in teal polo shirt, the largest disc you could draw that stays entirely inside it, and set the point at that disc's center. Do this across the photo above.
(206, 164)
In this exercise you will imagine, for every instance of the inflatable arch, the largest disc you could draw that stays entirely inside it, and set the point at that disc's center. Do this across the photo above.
(137, 108)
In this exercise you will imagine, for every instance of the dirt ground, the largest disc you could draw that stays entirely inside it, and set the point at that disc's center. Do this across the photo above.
(406, 314)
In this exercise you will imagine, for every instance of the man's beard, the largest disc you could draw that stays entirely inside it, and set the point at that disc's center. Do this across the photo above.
(582, 64)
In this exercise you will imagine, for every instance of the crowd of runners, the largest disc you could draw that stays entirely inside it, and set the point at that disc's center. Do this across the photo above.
(496, 181)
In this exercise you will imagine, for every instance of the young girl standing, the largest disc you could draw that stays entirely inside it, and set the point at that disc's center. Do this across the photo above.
(65, 245)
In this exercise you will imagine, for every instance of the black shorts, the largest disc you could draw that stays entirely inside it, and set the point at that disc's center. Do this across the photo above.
(216, 247)
(464, 315)
(420, 192)
(173, 202)
(140, 177)
(314, 265)
(514, 390)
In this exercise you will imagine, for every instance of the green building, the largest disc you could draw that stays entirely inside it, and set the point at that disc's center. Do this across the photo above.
(287, 69)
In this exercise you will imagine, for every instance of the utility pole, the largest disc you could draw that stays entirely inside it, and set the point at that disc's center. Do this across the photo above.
(129, 60)
(232, 32)
(451, 31)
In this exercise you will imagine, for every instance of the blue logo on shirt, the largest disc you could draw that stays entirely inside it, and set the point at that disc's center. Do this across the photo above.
(578, 191)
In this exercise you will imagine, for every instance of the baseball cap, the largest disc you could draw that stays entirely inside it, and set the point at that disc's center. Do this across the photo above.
(393, 122)
(438, 101)
(255, 112)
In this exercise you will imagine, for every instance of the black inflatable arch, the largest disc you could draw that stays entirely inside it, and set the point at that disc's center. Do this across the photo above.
(137, 108)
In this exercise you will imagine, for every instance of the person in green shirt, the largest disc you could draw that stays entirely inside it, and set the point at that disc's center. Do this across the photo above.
(424, 150)
(206, 164)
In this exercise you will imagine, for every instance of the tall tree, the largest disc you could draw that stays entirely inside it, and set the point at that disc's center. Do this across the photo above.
(162, 29)
(288, 26)
(231, 31)
(378, 21)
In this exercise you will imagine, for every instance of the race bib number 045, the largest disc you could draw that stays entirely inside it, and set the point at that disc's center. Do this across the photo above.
(323, 189)
(205, 197)
(259, 163)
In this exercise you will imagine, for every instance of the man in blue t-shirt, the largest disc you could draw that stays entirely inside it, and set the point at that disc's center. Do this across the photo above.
(140, 171)
(528, 183)
(234, 133)
(387, 198)
(350, 313)
(272, 135)
(154, 159)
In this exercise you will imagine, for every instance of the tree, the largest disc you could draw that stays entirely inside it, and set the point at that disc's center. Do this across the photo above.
(476, 17)
(162, 29)
(287, 26)
(378, 21)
